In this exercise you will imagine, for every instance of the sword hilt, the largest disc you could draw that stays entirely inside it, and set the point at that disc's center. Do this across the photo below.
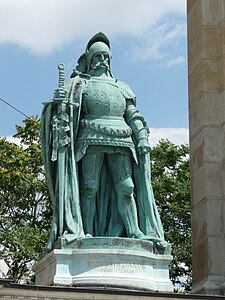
(60, 91)
(61, 68)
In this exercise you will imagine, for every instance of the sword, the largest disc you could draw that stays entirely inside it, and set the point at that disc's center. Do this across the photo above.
(63, 139)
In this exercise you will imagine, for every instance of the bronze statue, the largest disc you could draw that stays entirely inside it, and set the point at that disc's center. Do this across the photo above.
(96, 155)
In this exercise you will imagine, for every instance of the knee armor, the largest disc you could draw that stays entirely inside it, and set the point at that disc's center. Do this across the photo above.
(125, 187)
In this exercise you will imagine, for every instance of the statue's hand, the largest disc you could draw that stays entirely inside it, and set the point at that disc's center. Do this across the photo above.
(143, 146)
(60, 93)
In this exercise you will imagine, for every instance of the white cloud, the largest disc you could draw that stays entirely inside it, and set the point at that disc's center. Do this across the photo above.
(176, 135)
(14, 140)
(179, 30)
(156, 45)
(42, 26)
(180, 60)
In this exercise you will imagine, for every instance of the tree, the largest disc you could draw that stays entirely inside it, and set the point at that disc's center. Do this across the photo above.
(24, 201)
(25, 206)
(171, 185)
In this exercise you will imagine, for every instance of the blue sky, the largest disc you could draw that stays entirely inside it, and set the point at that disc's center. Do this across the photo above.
(148, 42)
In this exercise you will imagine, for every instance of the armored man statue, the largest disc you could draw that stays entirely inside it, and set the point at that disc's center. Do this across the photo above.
(96, 155)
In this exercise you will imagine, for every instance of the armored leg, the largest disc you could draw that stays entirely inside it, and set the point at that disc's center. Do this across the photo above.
(121, 169)
(91, 166)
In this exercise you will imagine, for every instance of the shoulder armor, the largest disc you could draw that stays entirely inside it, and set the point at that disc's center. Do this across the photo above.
(125, 90)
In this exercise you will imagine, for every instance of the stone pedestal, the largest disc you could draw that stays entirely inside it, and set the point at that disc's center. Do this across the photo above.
(112, 262)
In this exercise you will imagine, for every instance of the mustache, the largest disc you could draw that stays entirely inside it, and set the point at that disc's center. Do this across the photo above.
(102, 64)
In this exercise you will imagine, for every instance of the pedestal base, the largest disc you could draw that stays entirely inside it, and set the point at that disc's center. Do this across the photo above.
(211, 285)
(115, 262)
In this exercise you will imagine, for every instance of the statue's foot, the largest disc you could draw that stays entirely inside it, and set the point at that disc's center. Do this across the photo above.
(158, 242)
(161, 243)
(152, 238)
(88, 235)
(139, 236)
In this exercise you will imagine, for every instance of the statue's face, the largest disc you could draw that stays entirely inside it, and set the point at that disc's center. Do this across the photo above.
(100, 60)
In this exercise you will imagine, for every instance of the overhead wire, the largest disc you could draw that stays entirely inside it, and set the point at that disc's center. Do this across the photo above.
(13, 107)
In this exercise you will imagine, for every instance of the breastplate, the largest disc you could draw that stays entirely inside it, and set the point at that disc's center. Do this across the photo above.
(102, 118)
(102, 99)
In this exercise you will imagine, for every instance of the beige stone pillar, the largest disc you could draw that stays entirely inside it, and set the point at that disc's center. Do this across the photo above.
(206, 76)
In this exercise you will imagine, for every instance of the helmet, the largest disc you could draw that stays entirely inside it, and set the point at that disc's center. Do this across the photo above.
(98, 43)
(97, 47)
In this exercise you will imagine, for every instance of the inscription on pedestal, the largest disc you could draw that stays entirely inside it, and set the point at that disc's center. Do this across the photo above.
(105, 266)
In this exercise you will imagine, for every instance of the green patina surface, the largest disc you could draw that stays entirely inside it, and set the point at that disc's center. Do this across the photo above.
(96, 155)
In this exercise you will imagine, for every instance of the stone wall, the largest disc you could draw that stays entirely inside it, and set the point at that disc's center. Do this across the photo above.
(206, 75)
(10, 290)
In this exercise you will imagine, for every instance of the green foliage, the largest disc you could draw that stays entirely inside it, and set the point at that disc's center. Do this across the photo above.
(171, 185)
(24, 202)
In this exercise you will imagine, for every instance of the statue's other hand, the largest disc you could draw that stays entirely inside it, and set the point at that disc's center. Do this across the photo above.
(143, 146)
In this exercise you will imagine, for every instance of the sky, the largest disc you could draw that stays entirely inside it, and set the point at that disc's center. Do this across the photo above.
(149, 52)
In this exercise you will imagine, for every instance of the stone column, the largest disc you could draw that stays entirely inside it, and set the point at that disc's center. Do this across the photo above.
(206, 76)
